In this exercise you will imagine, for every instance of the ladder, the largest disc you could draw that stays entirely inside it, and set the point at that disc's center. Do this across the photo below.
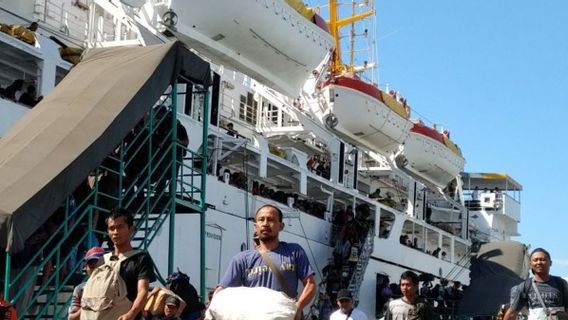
(361, 266)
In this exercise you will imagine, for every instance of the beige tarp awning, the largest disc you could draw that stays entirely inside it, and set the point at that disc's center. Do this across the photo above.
(55, 145)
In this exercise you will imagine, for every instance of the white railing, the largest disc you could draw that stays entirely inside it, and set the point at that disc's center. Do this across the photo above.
(511, 207)
(70, 20)
(109, 25)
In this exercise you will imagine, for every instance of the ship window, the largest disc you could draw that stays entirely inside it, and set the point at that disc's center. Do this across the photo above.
(272, 113)
(432, 239)
(412, 235)
(248, 109)
(385, 225)
(446, 248)
(60, 74)
(460, 252)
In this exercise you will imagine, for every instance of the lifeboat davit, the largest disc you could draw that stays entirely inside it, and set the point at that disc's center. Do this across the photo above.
(277, 42)
(363, 114)
(431, 155)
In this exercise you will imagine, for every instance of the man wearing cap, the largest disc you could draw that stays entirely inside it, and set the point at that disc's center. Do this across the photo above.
(542, 288)
(250, 269)
(92, 260)
(171, 308)
(346, 310)
(410, 306)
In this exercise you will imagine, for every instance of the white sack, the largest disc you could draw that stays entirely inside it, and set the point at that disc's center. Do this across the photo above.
(243, 303)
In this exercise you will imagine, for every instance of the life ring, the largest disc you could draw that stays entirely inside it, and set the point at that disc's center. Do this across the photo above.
(170, 18)
(401, 161)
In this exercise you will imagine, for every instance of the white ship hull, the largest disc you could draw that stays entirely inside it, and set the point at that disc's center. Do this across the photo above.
(267, 40)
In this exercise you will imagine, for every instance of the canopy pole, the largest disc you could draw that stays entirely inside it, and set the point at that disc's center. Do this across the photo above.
(7, 276)
(173, 179)
(204, 152)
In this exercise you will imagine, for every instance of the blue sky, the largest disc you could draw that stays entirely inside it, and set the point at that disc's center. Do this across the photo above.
(496, 74)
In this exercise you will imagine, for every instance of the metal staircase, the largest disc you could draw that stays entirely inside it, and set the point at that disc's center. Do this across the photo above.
(361, 266)
(322, 305)
(150, 172)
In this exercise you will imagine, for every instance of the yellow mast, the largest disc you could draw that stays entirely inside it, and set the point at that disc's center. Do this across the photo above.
(335, 24)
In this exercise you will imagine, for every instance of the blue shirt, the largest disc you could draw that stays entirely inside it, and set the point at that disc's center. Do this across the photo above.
(248, 269)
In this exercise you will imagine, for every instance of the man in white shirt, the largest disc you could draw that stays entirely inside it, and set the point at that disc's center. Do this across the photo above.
(410, 306)
(346, 310)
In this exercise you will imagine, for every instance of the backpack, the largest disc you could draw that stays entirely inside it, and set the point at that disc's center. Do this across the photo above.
(178, 282)
(7, 310)
(105, 294)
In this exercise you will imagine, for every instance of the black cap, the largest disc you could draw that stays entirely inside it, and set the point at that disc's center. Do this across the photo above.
(172, 301)
(344, 294)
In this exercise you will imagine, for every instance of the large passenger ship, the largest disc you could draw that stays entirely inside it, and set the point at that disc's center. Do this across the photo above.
(276, 112)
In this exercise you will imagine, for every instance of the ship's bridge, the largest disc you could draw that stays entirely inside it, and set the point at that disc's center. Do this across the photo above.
(497, 198)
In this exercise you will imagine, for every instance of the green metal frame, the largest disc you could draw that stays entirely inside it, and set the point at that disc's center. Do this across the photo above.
(152, 207)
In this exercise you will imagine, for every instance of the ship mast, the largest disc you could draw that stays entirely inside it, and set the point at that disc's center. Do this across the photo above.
(352, 36)
(335, 25)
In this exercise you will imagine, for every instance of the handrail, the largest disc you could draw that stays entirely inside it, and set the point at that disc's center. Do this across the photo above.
(361, 266)
(153, 206)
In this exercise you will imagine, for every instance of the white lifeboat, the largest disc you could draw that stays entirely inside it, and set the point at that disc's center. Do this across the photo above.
(277, 42)
(431, 155)
(362, 113)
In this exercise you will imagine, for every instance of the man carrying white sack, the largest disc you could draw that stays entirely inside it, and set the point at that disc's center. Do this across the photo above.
(273, 264)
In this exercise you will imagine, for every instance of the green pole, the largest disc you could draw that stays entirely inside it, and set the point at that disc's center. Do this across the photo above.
(203, 185)
(7, 277)
(173, 181)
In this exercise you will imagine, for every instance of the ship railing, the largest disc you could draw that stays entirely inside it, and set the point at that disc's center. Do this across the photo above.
(361, 266)
(70, 20)
(120, 29)
(189, 183)
(284, 109)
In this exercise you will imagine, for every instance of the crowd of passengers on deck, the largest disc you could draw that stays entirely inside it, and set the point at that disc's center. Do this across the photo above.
(16, 93)
(239, 179)
(21, 91)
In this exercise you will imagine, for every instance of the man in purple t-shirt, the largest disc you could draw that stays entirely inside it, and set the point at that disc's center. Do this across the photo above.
(248, 269)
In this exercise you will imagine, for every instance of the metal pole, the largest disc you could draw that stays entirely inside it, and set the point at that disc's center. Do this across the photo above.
(204, 142)
(7, 276)
(173, 180)
(152, 117)
(121, 170)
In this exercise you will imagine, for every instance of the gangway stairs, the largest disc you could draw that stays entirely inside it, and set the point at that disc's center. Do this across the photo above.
(361, 266)
(133, 160)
